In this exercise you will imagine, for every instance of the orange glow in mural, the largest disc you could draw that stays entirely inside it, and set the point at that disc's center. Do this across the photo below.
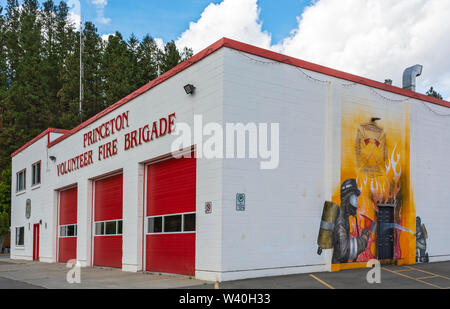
(375, 152)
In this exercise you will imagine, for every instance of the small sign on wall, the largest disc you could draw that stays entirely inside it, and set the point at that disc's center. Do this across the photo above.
(240, 202)
(28, 209)
(208, 208)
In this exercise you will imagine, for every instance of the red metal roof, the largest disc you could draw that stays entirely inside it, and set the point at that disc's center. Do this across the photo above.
(250, 49)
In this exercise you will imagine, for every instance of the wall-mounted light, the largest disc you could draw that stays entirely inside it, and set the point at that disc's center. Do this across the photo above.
(53, 158)
(189, 89)
(375, 119)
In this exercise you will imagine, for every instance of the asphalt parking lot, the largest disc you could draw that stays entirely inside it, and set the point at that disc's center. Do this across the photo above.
(35, 275)
(422, 276)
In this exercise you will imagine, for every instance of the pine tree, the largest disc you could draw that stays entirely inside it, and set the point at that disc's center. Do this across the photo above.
(93, 93)
(3, 70)
(25, 112)
(434, 93)
(147, 56)
(118, 74)
(171, 57)
(133, 46)
(51, 61)
(40, 73)
(5, 203)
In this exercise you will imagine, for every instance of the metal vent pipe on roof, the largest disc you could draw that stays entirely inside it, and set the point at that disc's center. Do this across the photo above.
(409, 77)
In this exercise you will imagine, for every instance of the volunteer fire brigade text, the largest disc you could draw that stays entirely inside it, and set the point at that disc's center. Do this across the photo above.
(133, 139)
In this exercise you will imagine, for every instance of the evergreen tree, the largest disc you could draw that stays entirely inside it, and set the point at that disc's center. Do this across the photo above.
(147, 57)
(25, 113)
(434, 93)
(133, 46)
(3, 70)
(26, 96)
(40, 75)
(118, 74)
(5, 203)
(93, 93)
(171, 57)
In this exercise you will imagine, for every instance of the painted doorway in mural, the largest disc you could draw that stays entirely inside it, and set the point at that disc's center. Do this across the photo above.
(385, 232)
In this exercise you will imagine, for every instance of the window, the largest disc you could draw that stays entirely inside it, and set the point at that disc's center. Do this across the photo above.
(20, 231)
(68, 231)
(111, 228)
(179, 223)
(100, 228)
(189, 223)
(36, 174)
(172, 224)
(155, 225)
(20, 181)
(108, 228)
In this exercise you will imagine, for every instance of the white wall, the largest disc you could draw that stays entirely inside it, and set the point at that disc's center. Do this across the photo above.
(161, 101)
(41, 204)
(430, 149)
(277, 233)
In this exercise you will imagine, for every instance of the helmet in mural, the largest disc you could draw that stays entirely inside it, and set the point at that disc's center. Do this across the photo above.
(350, 186)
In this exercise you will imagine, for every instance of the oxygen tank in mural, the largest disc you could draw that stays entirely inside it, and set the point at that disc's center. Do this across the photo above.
(325, 239)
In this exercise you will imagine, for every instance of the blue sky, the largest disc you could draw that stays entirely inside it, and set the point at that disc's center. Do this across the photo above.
(169, 19)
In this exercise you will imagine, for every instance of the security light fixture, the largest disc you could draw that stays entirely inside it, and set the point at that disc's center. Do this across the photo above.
(53, 158)
(375, 119)
(189, 89)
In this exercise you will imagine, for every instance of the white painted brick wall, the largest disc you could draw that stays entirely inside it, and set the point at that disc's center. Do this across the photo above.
(430, 149)
(277, 233)
(161, 101)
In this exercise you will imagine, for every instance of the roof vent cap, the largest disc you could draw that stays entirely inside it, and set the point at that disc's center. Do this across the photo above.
(410, 75)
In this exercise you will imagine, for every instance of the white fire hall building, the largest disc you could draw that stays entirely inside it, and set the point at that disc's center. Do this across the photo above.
(110, 192)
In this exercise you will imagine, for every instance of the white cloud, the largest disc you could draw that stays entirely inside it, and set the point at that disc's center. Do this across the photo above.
(377, 39)
(160, 43)
(235, 19)
(100, 6)
(74, 12)
(105, 37)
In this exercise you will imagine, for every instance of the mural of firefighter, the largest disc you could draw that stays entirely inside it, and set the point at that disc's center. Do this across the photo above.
(335, 226)
(376, 216)
(421, 242)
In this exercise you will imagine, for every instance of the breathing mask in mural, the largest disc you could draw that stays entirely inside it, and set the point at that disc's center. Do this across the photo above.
(371, 150)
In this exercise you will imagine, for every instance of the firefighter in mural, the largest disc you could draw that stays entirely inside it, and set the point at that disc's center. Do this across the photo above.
(421, 242)
(335, 226)
(345, 247)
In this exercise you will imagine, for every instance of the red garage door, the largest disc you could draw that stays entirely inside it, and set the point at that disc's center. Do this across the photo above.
(67, 232)
(170, 239)
(108, 222)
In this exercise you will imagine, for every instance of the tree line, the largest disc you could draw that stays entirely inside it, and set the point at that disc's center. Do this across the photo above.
(40, 72)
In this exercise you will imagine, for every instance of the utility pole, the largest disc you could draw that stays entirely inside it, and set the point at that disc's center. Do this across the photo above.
(81, 70)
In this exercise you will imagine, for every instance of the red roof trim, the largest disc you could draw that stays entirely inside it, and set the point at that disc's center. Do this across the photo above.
(250, 49)
(34, 140)
(181, 67)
